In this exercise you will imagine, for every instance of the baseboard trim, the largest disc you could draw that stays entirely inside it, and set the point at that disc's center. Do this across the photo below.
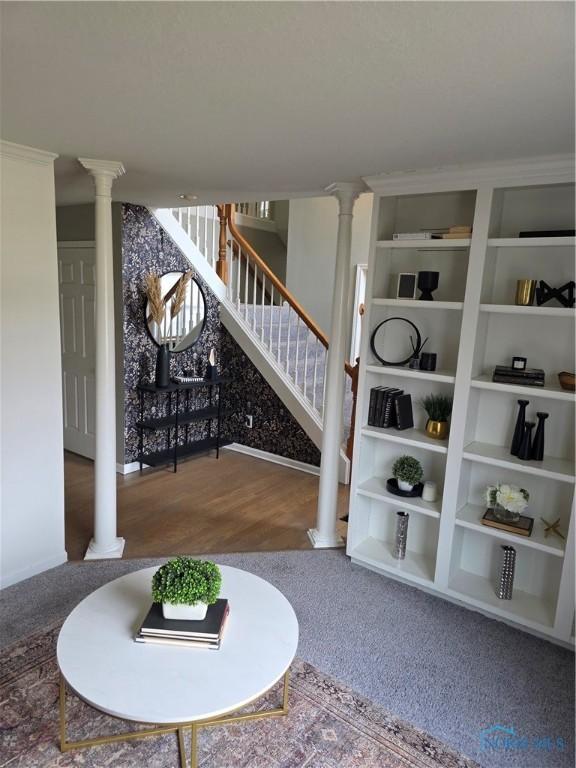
(273, 458)
(33, 570)
(126, 469)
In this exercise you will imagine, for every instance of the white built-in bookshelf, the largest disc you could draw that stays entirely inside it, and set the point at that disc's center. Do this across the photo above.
(473, 324)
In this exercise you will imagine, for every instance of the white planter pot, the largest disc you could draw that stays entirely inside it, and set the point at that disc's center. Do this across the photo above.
(404, 486)
(184, 612)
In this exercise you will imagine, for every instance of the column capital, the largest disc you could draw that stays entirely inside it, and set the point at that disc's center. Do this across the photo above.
(104, 172)
(346, 193)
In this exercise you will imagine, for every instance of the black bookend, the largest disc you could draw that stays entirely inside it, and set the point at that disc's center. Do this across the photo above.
(404, 414)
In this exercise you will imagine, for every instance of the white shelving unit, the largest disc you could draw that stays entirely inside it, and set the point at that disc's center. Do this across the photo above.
(473, 325)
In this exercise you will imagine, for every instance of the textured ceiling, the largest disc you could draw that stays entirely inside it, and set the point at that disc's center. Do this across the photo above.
(253, 100)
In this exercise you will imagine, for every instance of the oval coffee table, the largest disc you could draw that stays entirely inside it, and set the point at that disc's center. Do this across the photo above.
(170, 687)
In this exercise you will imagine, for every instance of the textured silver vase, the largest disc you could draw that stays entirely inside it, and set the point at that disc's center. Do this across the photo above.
(506, 577)
(401, 535)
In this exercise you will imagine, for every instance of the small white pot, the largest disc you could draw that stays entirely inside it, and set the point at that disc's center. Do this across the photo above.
(185, 612)
(404, 486)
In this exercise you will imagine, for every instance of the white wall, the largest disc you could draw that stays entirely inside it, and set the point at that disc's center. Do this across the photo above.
(312, 230)
(32, 462)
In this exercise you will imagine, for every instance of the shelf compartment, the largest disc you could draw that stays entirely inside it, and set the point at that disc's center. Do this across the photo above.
(469, 516)
(188, 417)
(534, 610)
(417, 304)
(548, 391)
(532, 242)
(497, 455)
(159, 458)
(444, 377)
(412, 437)
(375, 488)
(378, 554)
(513, 309)
(424, 245)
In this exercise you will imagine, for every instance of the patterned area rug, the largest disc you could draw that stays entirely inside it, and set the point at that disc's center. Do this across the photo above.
(329, 726)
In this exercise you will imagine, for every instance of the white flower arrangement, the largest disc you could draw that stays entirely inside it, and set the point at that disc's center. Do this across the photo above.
(510, 497)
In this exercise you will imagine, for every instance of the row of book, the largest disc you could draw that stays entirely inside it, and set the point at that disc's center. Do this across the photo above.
(529, 377)
(390, 407)
(452, 233)
(206, 633)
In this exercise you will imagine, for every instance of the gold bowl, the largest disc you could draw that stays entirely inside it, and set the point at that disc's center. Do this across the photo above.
(437, 429)
(567, 381)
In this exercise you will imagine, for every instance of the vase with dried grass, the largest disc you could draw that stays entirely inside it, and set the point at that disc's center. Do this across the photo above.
(157, 310)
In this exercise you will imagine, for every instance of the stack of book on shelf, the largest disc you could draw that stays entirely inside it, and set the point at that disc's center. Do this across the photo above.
(452, 233)
(529, 377)
(390, 407)
(206, 633)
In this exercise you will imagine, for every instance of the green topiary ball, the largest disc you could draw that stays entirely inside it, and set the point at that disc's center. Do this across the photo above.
(186, 581)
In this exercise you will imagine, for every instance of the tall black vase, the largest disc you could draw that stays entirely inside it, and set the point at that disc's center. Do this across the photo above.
(519, 428)
(163, 366)
(525, 451)
(537, 452)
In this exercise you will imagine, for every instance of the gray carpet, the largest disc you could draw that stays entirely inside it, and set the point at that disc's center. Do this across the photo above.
(448, 670)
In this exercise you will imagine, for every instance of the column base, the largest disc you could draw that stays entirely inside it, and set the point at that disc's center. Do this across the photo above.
(324, 542)
(115, 552)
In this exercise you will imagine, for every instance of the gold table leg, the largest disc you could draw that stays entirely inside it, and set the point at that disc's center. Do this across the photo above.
(177, 728)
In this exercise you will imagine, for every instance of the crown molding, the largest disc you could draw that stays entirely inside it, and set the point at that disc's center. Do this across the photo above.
(111, 168)
(26, 154)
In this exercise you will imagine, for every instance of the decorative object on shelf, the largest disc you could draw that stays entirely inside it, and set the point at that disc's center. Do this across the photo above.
(525, 450)
(438, 408)
(403, 415)
(567, 381)
(549, 233)
(186, 587)
(184, 379)
(505, 585)
(211, 369)
(428, 361)
(163, 366)
(427, 284)
(519, 363)
(552, 528)
(537, 451)
(525, 292)
(406, 285)
(506, 501)
(519, 428)
(415, 363)
(181, 326)
(416, 344)
(401, 536)
(529, 377)
(430, 491)
(544, 293)
(457, 233)
(392, 487)
(408, 472)
(522, 527)
(412, 236)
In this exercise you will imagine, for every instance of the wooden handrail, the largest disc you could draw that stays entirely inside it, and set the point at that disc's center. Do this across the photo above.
(278, 284)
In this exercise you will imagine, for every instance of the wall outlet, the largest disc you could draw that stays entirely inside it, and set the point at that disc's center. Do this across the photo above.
(249, 421)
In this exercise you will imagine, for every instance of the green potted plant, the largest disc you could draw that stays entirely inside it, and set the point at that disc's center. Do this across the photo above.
(186, 587)
(408, 472)
(438, 409)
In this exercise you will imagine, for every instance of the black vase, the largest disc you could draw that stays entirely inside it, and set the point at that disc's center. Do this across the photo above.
(537, 452)
(427, 282)
(163, 366)
(519, 428)
(525, 451)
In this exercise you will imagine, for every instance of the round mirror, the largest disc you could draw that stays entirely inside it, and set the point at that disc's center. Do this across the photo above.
(175, 310)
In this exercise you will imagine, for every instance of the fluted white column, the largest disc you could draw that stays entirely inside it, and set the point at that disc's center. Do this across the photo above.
(105, 542)
(325, 534)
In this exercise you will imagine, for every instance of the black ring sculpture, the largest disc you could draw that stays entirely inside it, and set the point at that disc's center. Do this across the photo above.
(375, 331)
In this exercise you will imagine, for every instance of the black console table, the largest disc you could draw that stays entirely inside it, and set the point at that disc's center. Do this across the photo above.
(181, 412)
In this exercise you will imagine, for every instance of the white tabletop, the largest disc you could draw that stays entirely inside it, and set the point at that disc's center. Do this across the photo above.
(160, 684)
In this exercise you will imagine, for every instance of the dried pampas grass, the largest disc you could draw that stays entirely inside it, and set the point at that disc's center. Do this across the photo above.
(155, 301)
(180, 294)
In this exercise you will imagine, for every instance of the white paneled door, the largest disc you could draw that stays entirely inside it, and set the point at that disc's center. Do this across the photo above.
(76, 274)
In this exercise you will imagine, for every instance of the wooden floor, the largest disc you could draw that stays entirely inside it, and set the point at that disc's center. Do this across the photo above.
(233, 504)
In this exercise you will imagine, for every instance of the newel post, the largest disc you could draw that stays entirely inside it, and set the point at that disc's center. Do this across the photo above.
(222, 264)
(354, 389)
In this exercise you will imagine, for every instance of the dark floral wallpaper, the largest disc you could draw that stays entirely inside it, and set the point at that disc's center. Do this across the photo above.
(145, 248)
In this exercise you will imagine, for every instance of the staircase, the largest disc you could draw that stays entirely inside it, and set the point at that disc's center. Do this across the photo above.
(264, 318)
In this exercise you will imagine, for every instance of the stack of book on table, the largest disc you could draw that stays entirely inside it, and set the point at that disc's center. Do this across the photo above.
(390, 407)
(193, 634)
(529, 377)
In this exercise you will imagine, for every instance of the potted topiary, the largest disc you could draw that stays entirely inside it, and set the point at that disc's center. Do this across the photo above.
(408, 472)
(438, 408)
(186, 587)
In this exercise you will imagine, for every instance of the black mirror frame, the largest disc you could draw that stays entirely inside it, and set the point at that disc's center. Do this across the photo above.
(373, 338)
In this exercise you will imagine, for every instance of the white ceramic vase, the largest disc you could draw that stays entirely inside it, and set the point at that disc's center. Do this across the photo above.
(184, 612)
(404, 486)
